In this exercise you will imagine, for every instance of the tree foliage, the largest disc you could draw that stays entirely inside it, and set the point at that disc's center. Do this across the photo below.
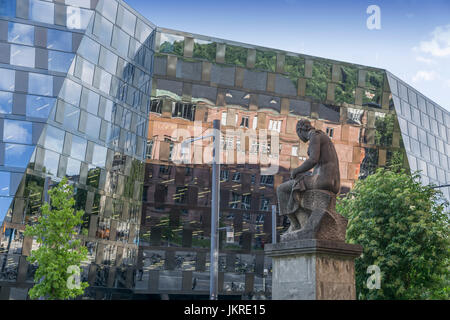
(404, 229)
(56, 231)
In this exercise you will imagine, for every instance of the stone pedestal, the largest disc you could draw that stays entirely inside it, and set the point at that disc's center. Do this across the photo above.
(313, 270)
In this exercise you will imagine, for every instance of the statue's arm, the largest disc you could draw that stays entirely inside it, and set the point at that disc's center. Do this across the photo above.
(314, 156)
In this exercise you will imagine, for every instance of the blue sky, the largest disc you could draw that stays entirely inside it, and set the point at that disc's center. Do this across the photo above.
(413, 42)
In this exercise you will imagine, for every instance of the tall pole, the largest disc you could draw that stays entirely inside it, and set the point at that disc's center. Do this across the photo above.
(274, 224)
(214, 254)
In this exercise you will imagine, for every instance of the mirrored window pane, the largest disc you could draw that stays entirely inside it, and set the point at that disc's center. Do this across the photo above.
(103, 29)
(51, 162)
(40, 84)
(71, 117)
(20, 33)
(18, 155)
(89, 49)
(59, 40)
(60, 61)
(108, 60)
(8, 8)
(126, 20)
(39, 107)
(71, 92)
(93, 126)
(6, 99)
(41, 11)
(108, 9)
(54, 139)
(99, 156)
(78, 18)
(7, 79)
(73, 168)
(22, 56)
(120, 41)
(90, 101)
(78, 150)
(5, 178)
(17, 131)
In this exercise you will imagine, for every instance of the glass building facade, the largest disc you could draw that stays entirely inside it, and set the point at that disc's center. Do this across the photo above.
(93, 91)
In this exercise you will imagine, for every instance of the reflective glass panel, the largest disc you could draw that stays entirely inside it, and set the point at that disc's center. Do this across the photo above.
(51, 162)
(99, 156)
(59, 61)
(8, 8)
(6, 99)
(108, 8)
(41, 11)
(22, 56)
(103, 29)
(40, 84)
(17, 131)
(7, 79)
(78, 18)
(89, 49)
(39, 107)
(78, 150)
(18, 155)
(5, 178)
(59, 40)
(90, 101)
(71, 92)
(126, 20)
(120, 41)
(108, 60)
(54, 139)
(73, 167)
(21, 33)
(71, 117)
(93, 126)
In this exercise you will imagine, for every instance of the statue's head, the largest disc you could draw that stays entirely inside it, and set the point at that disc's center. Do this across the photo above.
(303, 128)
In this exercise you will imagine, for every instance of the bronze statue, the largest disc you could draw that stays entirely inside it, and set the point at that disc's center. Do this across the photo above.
(308, 199)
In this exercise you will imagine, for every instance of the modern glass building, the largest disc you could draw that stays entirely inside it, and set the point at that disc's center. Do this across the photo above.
(93, 91)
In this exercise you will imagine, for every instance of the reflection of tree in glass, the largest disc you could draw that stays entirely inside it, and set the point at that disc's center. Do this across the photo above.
(316, 87)
(136, 174)
(176, 47)
(384, 130)
(265, 60)
(374, 82)
(294, 67)
(345, 90)
(34, 188)
(205, 51)
(236, 55)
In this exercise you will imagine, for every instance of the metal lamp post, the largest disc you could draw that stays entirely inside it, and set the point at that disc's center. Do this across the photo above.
(214, 253)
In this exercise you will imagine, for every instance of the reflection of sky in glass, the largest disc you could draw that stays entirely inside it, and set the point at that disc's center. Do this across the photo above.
(40, 84)
(4, 206)
(5, 102)
(4, 183)
(99, 156)
(78, 148)
(17, 131)
(89, 49)
(71, 92)
(73, 167)
(41, 11)
(59, 61)
(17, 155)
(39, 107)
(7, 79)
(22, 56)
(51, 162)
(20, 33)
(71, 117)
(59, 40)
(54, 139)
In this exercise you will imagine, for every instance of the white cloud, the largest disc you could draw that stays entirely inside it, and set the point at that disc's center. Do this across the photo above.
(425, 60)
(439, 44)
(425, 76)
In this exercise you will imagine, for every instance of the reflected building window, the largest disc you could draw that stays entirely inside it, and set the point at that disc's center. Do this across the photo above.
(78, 150)
(78, 18)
(6, 101)
(59, 40)
(39, 107)
(60, 61)
(40, 84)
(54, 139)
(22, 56)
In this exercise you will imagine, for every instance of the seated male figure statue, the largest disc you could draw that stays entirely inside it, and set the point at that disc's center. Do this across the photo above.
(308, 198)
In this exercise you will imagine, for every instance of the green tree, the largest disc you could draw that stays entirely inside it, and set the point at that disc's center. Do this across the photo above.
(59, 251)
(404, 229)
